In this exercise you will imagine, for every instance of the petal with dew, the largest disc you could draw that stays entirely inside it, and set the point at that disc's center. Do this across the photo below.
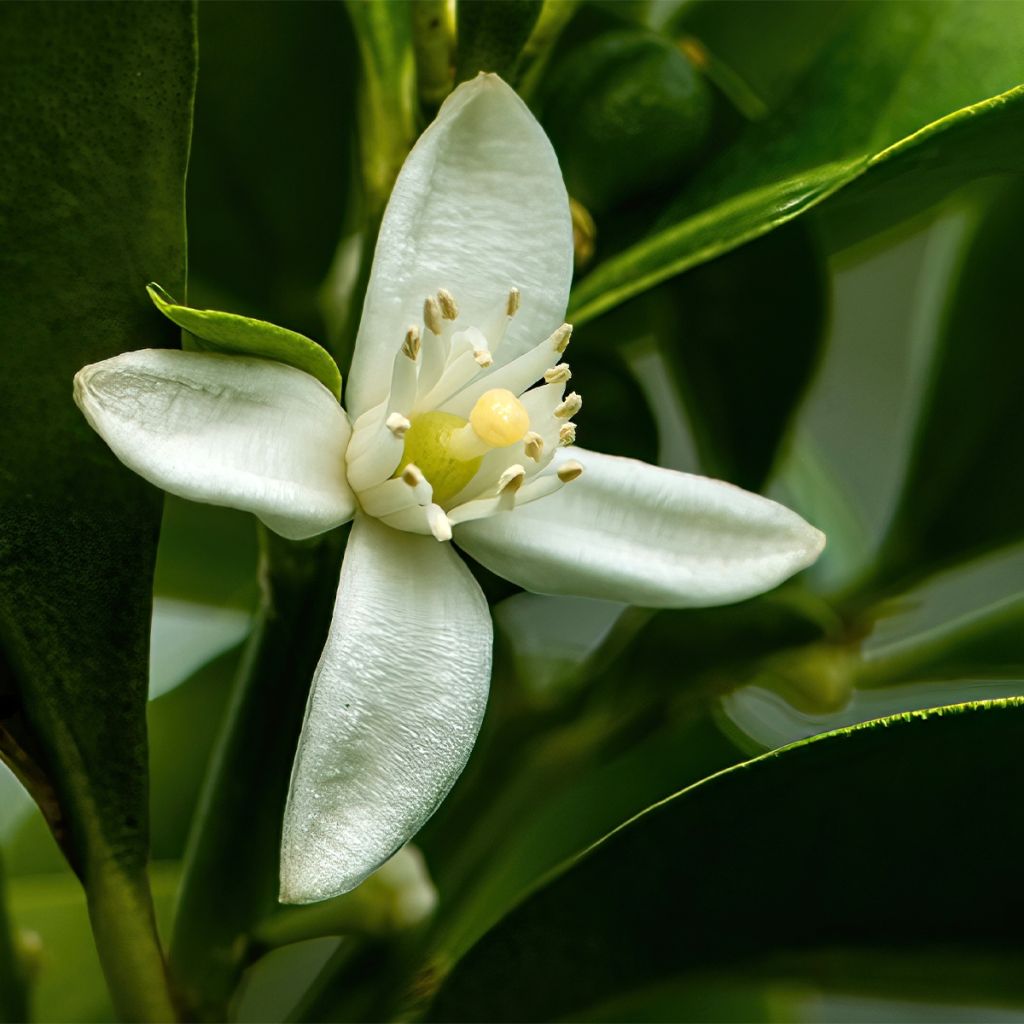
(627, 531)
(395, 707)
(247, 433)
(479, 207)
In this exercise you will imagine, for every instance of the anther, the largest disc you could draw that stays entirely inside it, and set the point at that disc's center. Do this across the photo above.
(512, 306)
(446, 301)
(412, 476)
(567, 434)
(397, 424)
(569, 471)
(572, 405)
(560, 339)
(483, 357)
(533, 445)
(511, 480)
(438, 523)
(411, 345)
(557, 374)
(432, 315)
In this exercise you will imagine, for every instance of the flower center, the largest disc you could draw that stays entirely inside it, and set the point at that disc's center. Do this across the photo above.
(457, 438)
(448, 450)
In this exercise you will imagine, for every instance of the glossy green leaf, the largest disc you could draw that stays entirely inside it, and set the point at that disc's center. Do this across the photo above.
(961, 495)
(213, 331)
(491, 35)
(271, 170)
(97, 107)
(911, 131)
(794, 851)
(742, 335)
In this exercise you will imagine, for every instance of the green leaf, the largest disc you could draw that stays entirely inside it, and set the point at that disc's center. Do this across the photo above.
(271, 173)
(792, 852)
(97, 108)
(491, 35)
(212, 331)
(961, 494)
(742, 335)
(908, 134)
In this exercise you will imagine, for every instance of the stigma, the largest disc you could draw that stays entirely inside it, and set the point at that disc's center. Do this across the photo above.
(459, 436)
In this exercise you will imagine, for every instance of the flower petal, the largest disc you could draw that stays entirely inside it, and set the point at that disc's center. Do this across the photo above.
(479, 207)
(226, 430)
(394, 711)
(628, 531)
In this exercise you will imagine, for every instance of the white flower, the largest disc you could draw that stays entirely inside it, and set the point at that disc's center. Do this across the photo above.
(449, 439)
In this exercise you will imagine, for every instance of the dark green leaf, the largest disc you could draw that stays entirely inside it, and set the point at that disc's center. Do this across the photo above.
(742, 335)
(212, 331)
(794, 851)
(963, 493)
(491, 35)
(912, 130)
(97, 108)
(271, 171)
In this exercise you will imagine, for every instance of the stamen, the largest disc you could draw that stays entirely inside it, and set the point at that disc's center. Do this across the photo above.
(567, 434)
(511, 480)
(512, 307)
(560, 339)
(446, 301)
(397, 424)
(569, 471)
(432, 315)
(572, 405)
(557, 374)
(483, 357)
(411, 345)
(406, 491)
(412, 476)
(438, 523)
(533, 445)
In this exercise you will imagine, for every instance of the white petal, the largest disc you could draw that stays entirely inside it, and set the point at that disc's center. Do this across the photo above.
(226, 430)
(478, 207)
(394, 711)
(628, 531)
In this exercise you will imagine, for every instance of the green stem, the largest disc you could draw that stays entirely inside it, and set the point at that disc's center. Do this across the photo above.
(124, 928)
(231, 865)
(432, 33)
(13, 982)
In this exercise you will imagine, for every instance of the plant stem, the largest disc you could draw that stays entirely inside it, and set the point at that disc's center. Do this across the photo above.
(231, 865)
(124, 928)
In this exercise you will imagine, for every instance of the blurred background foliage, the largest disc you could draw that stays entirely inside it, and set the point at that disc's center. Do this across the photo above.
(798, 251)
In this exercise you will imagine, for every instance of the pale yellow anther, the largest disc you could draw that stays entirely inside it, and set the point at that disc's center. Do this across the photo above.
(446, 301)
(511, 480)
(567, 434)
(397, 424)
(572, 405)
(557, 374)
(411, 345)
(560, 339)
(483, 357)
(412, 476)
(432, 315)
(512, 307)
(499, 418)
(569, 471)
(533, 445)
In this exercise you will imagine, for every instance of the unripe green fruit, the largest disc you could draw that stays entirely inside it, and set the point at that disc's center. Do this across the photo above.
(627, 113)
